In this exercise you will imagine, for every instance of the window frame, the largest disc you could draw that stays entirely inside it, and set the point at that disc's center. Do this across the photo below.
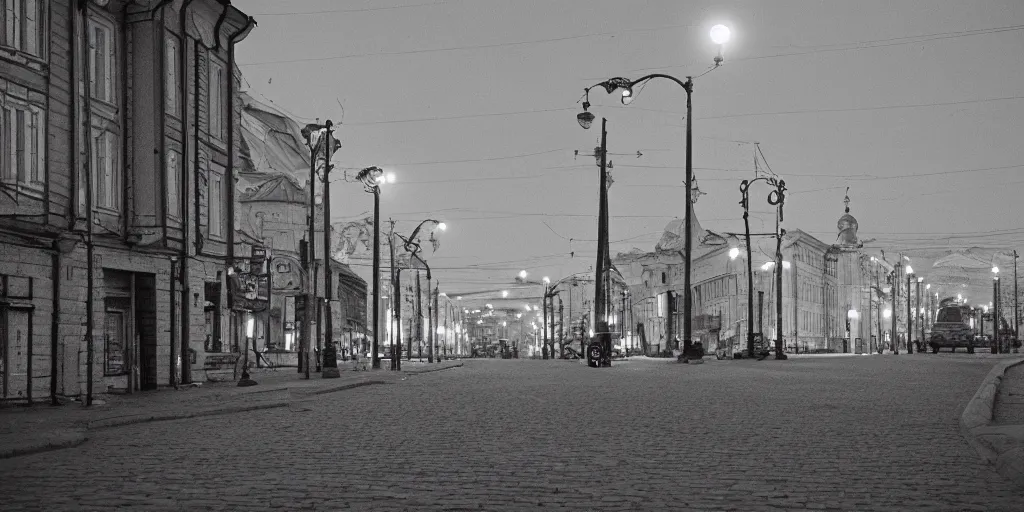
(30, 176)
(216, 112)
(215, 176)
(106, 179)
(19, 28)
(172, 184)
(102, 24)
(171, 59)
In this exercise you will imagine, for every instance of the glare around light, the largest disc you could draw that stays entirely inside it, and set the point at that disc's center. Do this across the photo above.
(910, 270)
(522, 274)
(250, 326)
(391, 177)
(442, 226)
(547, 280)
(504, 294)
(928, 287)
(734, 253)
(995, 270)
(720, 34)
(887, 313)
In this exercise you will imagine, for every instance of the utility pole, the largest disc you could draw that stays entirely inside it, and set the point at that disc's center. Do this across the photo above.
(419, 317)
(328, 356)
(895, 306)
(561, 330)
(1016, 300)
(433, 337)
(544, 309)
(430, 323)
(910, 318)
(601, 323)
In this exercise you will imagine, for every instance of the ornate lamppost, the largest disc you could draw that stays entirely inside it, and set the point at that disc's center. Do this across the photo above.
(720, 34)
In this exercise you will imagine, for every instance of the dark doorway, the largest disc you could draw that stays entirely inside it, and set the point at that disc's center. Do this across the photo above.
(145, 327)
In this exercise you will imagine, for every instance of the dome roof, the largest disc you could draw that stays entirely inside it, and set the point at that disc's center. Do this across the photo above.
(847, 226)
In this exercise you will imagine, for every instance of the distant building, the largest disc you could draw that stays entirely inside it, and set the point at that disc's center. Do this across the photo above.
(821, 285)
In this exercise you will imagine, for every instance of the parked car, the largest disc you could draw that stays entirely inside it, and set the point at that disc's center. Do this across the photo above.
(952, 330)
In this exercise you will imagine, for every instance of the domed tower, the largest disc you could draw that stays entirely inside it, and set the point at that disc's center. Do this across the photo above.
(847, 226)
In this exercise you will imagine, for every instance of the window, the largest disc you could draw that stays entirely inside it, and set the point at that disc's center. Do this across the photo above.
(216, 106)
(106, 174)
(215, 203)
(171, 75)
(173, 179)
(22, 138)
(23, 27)
(101, 60)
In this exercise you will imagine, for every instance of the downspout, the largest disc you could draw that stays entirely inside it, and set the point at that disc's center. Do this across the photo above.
(54, 323)
(184, 274)
(126, 197)
(230, 178)
(72, 214)
(87, 160)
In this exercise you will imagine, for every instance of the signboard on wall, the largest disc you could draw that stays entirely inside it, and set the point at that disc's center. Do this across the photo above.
(249, 292)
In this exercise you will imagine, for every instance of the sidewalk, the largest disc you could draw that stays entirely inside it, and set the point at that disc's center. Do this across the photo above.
(993, 422)
(42, 427)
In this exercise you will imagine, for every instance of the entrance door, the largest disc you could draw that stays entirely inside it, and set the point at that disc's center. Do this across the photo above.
(145, 327)
(14, 351)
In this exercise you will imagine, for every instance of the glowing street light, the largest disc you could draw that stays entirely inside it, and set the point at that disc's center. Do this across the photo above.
(522, 274)
(720, 34)
(734, 253)
(887, 313)
(504, 294)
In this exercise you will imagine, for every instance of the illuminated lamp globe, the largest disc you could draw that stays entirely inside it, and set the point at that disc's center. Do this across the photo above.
(720, 34)
(627, 96)
(734, 253)
(442, 226)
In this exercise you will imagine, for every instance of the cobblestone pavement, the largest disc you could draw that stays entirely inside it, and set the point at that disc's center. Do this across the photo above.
(851, 433)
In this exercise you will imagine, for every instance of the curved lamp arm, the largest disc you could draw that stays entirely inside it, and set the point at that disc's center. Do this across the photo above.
(370, 178)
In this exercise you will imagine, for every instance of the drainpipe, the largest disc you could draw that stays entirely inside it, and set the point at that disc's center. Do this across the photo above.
(185, 278)
(89, 271)
(230, 178)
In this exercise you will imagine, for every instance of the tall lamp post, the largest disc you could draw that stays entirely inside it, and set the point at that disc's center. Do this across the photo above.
(995, 310)
(322, 145)
(776, 198)
(720, 34)
(910, 315)
(372, 178)
(412, 245)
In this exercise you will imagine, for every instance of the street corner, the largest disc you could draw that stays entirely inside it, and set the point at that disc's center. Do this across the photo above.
(14, 445)
(998, 445)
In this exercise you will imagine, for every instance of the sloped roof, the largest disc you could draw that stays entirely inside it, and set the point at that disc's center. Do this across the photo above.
(272, 142)
(276, 189)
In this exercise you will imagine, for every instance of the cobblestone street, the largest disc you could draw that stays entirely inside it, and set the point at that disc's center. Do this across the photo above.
(843, 433)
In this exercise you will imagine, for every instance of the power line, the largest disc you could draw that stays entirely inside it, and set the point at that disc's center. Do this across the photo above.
(867, 44)
(329, 11)
(462, 48)
(862, 109)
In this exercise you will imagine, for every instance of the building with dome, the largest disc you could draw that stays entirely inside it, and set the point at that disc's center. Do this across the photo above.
(821, 284)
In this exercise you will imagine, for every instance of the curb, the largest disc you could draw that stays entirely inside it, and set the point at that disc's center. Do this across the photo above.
(431, 370)
(150, 418)
(976, 423)
(64, 440)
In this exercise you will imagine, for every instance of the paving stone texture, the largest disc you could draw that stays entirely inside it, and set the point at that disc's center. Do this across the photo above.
(851, 433)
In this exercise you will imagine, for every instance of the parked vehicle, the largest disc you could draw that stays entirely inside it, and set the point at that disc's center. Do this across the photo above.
(951, 329)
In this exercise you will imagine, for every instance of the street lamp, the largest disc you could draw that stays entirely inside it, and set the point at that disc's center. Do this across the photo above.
(996, 306)
(720, 34)
(250, 328)
(910, 315)
(372, 178)
(412, 245)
